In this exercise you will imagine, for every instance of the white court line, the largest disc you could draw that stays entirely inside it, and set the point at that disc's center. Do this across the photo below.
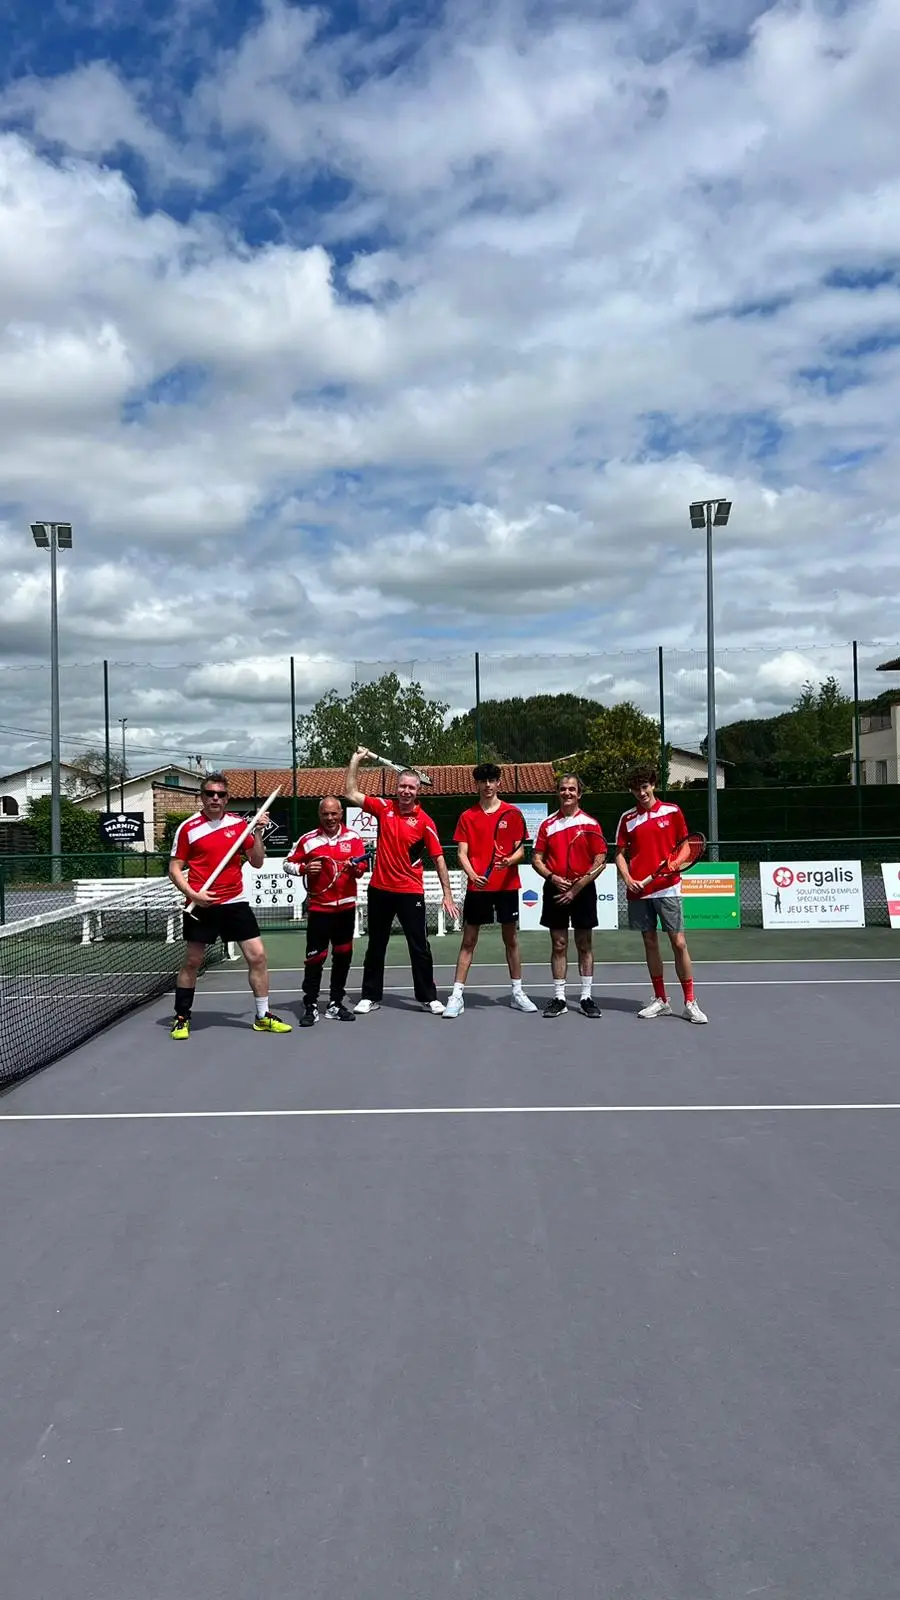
(482, 988)
(423, 1111)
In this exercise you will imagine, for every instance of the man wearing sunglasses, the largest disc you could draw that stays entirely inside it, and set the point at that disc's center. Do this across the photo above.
(222, 912)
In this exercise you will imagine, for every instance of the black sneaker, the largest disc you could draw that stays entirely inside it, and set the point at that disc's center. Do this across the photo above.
(556, 1008)
(338, 1013)
(589, 1008)
(310, 1016)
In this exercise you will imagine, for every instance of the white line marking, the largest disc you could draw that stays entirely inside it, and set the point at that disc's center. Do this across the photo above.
(422, 1111)
(600, 989)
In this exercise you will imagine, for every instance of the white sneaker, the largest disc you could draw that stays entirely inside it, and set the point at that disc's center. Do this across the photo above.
(656, 1008)
(363, 1007)
(455, 1006)
(434, 1006)
(692, 1012)
(520, 1002)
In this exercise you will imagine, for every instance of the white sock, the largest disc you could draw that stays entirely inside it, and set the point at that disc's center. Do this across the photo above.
(457, 991)
(559, 988)
(262, 1004)
(517, 985)
(586, 986)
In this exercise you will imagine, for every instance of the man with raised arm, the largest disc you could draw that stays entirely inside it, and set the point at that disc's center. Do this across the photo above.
(406, 834)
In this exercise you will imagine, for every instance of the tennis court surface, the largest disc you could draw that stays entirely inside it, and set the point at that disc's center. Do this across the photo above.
(491, 1308)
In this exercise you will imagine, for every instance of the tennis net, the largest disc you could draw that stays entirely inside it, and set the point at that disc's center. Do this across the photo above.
(65, 975)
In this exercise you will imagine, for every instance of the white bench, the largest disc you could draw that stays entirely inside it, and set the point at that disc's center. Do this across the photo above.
(434, 895)
(132, 894)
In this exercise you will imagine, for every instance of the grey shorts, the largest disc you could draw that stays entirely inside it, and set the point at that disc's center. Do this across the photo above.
(664, 911)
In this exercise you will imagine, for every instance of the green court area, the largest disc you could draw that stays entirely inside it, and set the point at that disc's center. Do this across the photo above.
(738, 944)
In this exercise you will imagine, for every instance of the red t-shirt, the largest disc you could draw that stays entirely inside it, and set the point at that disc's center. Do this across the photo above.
(201, 844)
(403, 840)
(569, 844)
(480, 830)
(647, 837)
(344, 847)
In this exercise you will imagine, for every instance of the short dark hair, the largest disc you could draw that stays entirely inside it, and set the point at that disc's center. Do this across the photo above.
(487, 772)
(410, 772)
(639, 775)
(213, 777)
(574, 775)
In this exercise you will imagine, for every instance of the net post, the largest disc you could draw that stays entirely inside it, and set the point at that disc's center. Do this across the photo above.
(477, 706)
(856, 747)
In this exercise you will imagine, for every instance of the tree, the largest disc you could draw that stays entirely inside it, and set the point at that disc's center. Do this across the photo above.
(79, 829)
(90, 772)
(396, 721)
(800, 746)
(619, 738)
(539, 727)
(809, 741)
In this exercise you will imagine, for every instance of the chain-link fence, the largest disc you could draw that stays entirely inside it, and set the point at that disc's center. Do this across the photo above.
(243, 713)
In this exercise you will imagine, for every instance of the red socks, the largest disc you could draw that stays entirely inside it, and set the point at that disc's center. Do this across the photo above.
(659, 987)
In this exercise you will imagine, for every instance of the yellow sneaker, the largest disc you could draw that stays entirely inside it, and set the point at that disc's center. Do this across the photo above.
(181, 1028)
(271, 1024)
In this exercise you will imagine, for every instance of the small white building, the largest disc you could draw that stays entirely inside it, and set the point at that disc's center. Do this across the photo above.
(689, 766)
(31, 783)
(141, 794)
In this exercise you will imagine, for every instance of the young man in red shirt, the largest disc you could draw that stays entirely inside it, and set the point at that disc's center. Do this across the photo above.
(330, 909)
(644, 839)
(222, 912)
(406, 834)
(491, 894)
(570, 854)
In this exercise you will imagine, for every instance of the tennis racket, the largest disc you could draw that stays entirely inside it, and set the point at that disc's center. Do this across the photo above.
(190, 909)
(510, 834)
(580, 854)
(686, 853)
(398, 767)
(329, 872)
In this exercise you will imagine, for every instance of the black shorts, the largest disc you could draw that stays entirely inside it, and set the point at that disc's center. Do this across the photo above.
(324, 928)
(233, 924)
(482, 906)
(578, 913)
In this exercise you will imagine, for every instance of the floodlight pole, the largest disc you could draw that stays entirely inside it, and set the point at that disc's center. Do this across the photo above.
(55, 784)
(711, 763)
(47, 536)
(709, 514)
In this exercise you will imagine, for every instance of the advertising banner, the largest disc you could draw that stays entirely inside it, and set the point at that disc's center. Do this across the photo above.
(711, 895)
(532, 894)
(812, 894)
(890, 872)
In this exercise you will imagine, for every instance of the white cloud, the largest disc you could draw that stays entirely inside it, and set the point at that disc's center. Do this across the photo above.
(479, 423)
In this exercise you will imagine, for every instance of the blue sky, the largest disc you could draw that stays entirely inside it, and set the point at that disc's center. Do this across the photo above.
(391, 332)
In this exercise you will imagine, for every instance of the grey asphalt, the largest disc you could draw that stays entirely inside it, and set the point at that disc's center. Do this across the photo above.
(460, 1353)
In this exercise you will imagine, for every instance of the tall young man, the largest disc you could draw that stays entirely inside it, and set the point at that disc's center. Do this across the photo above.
(222, 912)
(570, 854)
(644, 839)
(331, 909)
(491, 895)
(406, 834)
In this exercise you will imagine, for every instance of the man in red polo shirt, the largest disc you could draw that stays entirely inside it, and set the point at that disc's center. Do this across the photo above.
(331, 906)
(406, 834)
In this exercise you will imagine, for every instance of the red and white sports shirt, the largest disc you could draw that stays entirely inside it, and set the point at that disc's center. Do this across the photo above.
(200, 845)
(481, 830)
(647, 837)
(344, 847)
(404, 838)
(570, 842)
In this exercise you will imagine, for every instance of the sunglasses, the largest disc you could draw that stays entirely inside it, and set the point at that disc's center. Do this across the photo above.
(215, 794)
